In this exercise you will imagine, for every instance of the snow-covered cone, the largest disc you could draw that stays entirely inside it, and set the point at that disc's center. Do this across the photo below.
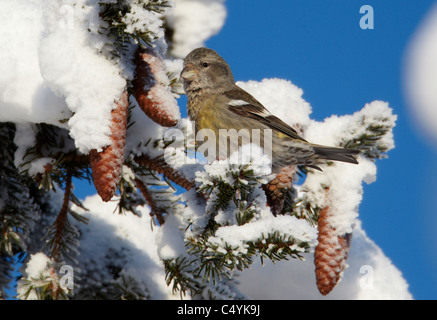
(151, 89)
(276, 189)
(330, 254)
(106, 165)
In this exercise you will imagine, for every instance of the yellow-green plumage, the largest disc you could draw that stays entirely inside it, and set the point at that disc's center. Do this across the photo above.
(215, 102)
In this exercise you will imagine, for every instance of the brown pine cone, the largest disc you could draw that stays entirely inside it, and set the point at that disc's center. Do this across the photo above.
(277, 188)
(330, 254)
(151, 94)
(106, 165)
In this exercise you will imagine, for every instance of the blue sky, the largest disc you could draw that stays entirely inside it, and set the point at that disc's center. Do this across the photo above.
(320, 47)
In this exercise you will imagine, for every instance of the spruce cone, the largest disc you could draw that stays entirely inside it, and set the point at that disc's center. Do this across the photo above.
(106, 165)
(277, 188)
(330, 254)
(150, 89)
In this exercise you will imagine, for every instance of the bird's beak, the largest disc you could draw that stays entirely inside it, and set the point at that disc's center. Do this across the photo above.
(189, 73)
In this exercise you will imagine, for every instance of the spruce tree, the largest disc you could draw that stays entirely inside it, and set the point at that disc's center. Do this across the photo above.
(212, 220)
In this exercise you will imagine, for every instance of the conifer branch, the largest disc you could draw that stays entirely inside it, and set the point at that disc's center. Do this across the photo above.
(61, 236)
(159, 165)
(113, 12)
(179, 274)
(43, 286)
(154, 208)
(61, 219)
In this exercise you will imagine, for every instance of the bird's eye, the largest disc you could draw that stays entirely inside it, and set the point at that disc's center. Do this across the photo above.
(205, 64)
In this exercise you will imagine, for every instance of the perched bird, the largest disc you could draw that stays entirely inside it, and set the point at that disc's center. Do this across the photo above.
(215, 102)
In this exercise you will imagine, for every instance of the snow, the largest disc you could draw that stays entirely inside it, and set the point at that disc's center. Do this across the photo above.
(334, 129)
(77, 71)
(139, 20)
(38, 265)
(23, 93)
(141, 131)
(249, 154)
(236, 236)
(345, 180)
(284, 99)
(53, 69)
(193, 22)
(345, 191)
(420, 76)
(130, 242)
(39, 269)
(370, 275)
(24, 139)
(170, 239)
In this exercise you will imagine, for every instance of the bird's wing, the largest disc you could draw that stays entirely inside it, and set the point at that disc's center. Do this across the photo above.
(243, 104)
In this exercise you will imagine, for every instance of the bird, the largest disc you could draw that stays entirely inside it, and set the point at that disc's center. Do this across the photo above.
(215, 102)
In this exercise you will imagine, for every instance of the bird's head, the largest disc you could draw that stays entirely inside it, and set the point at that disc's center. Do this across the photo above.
(204, 69)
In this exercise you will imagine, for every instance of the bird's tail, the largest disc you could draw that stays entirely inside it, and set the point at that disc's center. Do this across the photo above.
(336, 154)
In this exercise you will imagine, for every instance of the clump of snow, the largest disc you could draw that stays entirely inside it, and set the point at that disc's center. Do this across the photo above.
(170, 238)
(345, 191)
(139, 20)
(24, 96)
(193, 22)
(24, 139)
(335, 130)
(38, 165)
(237, 236)
(420, 76)
(249, 158)
(249, 154)
(282, 98)
(38, 265)
(39, 269)
(73, 68)
(55, 69)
